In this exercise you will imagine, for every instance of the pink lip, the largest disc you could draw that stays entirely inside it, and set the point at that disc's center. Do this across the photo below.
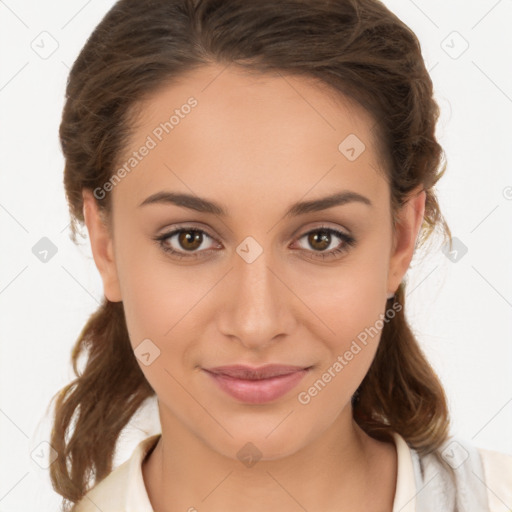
(257, 385)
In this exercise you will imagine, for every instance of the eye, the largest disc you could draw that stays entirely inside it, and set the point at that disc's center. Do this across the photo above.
(188, 239)
(322, 238)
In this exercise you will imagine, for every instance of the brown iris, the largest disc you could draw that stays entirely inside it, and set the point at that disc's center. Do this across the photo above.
(190, 240)
(322, 236)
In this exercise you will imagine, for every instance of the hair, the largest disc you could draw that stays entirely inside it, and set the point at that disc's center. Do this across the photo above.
(360, 50)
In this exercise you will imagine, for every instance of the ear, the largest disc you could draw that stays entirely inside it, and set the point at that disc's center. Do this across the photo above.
(408, 223)
(101, 246)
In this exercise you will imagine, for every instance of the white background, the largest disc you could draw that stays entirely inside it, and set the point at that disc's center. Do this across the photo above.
(461, 312)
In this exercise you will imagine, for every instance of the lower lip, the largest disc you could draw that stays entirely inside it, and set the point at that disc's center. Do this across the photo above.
(258, 391)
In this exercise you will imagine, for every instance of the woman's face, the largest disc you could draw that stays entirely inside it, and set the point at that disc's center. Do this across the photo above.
(253, 285)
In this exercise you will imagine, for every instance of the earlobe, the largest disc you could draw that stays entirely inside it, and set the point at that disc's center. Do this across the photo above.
(101, 247)
(408, 225)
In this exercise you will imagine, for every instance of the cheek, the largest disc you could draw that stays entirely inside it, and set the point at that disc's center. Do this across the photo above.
(158, 298)
(349, 304)
(160, 309)
(345, 299)
(160, 319)
(350, 331)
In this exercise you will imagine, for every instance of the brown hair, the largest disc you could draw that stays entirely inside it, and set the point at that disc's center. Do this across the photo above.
(359, 49)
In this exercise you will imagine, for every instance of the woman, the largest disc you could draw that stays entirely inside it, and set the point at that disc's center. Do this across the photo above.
(254, 178)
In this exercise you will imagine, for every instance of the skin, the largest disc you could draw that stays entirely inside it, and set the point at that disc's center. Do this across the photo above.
(256, 144)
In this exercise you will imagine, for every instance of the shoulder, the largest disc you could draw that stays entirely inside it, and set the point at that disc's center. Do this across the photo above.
(497, 468)
(123, 488)
(108, 493)
(472, 478)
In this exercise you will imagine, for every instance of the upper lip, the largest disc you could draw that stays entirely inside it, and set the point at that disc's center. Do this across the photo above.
(240, 371)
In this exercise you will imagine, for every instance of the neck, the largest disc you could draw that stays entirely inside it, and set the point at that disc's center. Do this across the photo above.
(340, 470)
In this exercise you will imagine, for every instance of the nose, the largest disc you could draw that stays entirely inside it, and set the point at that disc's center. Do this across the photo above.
(256, 305)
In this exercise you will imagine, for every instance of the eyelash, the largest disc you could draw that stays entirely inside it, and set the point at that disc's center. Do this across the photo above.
(348, 240)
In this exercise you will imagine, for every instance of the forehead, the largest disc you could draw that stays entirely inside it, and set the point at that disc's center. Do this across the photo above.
(267, 136)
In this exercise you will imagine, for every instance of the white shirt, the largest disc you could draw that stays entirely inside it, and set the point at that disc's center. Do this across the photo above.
(123, 490)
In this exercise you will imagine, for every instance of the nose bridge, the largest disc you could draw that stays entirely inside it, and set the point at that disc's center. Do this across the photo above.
(256, 286)
(256, 311)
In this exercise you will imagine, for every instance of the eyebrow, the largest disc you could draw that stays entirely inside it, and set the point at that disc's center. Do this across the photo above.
(206, 206)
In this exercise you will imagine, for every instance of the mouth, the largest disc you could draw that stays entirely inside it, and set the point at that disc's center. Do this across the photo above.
(239, 371)
(257, 385)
